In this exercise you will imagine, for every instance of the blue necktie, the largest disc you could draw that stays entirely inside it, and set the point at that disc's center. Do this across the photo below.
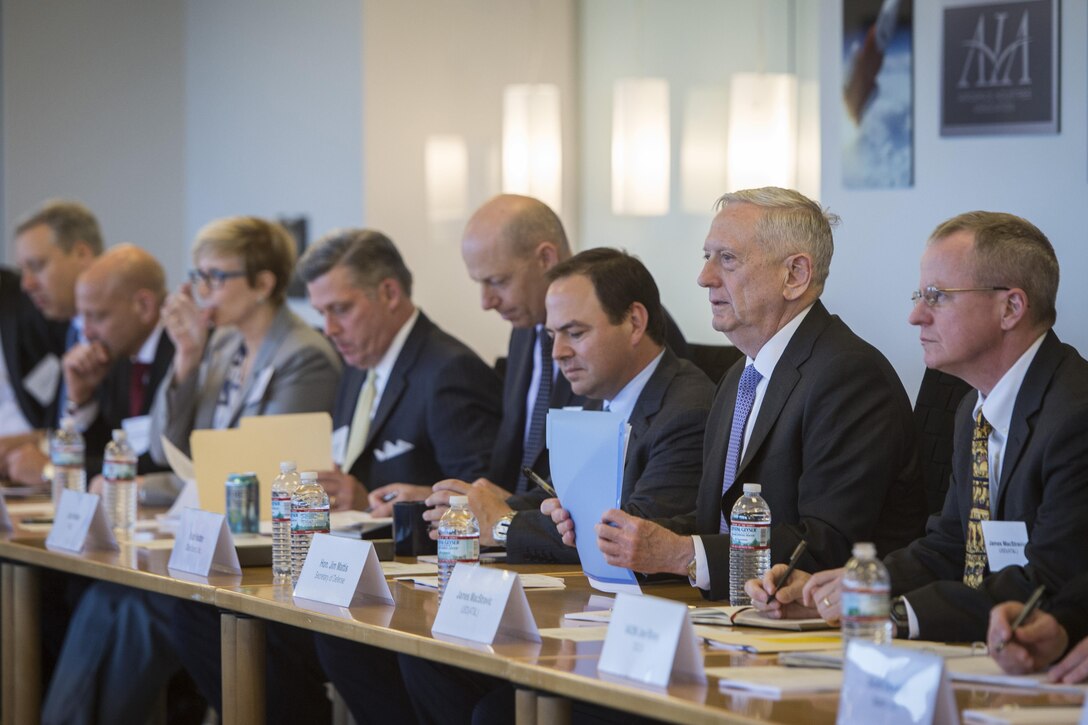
(746, 396)
(534, 441)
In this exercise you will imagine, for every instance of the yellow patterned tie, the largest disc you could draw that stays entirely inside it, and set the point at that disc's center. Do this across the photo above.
(975, 564)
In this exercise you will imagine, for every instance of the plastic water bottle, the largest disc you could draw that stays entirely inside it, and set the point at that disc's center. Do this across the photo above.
(309, 516)
(749, 542)
(283, 486)
(66, 453)
(119, 472)
(866, 597)
(458, 540)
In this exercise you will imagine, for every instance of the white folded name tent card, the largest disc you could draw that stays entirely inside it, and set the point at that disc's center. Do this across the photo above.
(80, 524)
(338, 570)
(1005, 543)
(259, 444)
(481, 602)
(895, 686)
(203, 544)
(651, 640)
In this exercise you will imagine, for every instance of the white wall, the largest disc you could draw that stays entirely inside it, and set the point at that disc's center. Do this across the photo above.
(694, 44)
(273, 111)
(93, 109)
(440, 68)
(1043, 178)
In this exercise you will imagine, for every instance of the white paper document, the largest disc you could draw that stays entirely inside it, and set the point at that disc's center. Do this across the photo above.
(1024, 715)
(777, 681)
(983, 670)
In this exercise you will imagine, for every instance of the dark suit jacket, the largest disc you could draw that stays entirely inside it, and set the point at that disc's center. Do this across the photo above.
(509, 441)
(1070, 607)
(661, 471)
(833, 446)
(113, 397)
(1044, 483)
(441, 399)
(27, 338)
(509, 444)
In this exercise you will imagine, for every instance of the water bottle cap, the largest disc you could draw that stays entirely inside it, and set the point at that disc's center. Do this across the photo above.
(864, 550)
(119, 435)
(458, 500)
(287, 466)
(308, 475)
(753, 488)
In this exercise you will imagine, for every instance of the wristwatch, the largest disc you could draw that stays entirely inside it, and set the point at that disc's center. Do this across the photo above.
(692, 570)
(900, 620)
(498, 531)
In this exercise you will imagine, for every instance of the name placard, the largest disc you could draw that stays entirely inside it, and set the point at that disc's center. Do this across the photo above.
(80, 524)
(482, 601)
(895, 686)
(337, 570)
(651, 640)
(1005, 543)
(203, 544)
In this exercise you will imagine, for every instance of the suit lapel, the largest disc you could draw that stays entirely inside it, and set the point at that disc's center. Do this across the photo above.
(646, 407)
(1028, 402)
(784, 379)
(281, 325)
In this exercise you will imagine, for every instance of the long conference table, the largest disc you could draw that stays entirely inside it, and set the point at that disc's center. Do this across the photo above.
(547, 674)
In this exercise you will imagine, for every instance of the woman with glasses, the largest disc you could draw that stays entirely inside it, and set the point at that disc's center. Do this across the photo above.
(239, 351)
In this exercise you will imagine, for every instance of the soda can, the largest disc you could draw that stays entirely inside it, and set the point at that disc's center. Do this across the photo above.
(243, 493)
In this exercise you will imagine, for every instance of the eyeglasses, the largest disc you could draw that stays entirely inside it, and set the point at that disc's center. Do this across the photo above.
(934, 296)
(214, 278)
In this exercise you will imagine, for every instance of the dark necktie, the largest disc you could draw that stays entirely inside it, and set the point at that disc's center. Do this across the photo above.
(138, 379)
(534, 441)
(746, 397)
(974, 567)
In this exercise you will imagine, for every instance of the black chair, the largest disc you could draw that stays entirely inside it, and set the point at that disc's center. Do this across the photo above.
(934, 420)
(713, 360)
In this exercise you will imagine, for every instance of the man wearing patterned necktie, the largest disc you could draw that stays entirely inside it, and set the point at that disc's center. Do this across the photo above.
(985, 309)
(813, 413)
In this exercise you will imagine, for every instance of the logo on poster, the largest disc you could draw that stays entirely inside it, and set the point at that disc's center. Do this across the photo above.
(994, 65)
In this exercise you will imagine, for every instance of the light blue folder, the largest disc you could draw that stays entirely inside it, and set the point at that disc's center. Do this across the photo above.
(586, 451)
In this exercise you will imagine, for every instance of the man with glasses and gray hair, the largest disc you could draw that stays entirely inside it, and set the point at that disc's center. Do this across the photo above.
(985, 309)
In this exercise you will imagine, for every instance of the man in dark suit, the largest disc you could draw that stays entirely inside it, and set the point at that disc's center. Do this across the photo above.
(27, 339)
(112, 376)
(814, 414)
(985, 310)
(605, 316)
(608, 328)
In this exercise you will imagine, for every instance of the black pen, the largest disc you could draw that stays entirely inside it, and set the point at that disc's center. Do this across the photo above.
(532, 476)
(794, 558)
(386, 498)
(1030, 606)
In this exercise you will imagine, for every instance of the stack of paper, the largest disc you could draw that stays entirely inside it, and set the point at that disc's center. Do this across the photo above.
(1013, 715)
(833, 658)
(768, 643)
(777, 681)
(528, 581)
(985, 671)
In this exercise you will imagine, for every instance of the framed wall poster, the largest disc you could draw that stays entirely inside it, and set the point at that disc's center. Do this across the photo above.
(878, 94)
(1000, 68)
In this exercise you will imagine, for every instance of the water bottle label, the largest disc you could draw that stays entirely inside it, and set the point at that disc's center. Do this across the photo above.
(745, 535)
(281, 508)
(118, 470)
(66, 456)
(458, 548)
(310, 521)
(861, 605)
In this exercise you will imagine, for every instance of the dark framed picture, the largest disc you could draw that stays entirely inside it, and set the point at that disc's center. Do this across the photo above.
(877, 94)
(1000, 68)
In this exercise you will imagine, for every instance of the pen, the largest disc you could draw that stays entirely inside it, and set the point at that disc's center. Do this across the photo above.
(386, 498)
(532, 476)
(1029, 607)
(794, 558)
